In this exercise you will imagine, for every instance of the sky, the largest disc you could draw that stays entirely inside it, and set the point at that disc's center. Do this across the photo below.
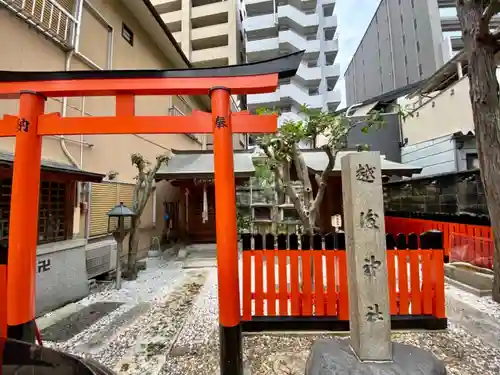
(353, 17)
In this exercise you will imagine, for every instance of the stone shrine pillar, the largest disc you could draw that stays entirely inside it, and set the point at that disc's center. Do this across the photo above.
(370, 321)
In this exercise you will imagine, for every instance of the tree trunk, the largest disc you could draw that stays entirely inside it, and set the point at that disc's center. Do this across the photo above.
(486, 113)
(133, 246)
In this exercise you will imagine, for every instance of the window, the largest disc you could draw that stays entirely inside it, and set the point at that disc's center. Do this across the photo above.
(404, 40)
(412, 4)
(51, 217)
(406, 60)
(54, 213)
(401, 18)
(127, 34)
(418, 46)
(415, 24)
(472, 161)
(420, 70)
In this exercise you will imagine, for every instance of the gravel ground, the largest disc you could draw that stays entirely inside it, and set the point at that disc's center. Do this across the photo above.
(153, 285)
(462, 353)
(483, 304)
(202, 322)
(152, 335)
(177, 334)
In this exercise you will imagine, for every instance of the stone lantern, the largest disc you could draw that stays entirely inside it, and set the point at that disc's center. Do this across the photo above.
(120, 231)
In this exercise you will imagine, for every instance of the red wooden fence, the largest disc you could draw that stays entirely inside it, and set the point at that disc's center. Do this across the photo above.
(273, 285)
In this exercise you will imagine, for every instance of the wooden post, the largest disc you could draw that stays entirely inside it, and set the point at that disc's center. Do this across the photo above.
(231, 359)
(23, 224)
(370, 323)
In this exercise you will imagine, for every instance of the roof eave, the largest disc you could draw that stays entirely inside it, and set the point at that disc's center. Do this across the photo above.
(78, 175)
(190, 176)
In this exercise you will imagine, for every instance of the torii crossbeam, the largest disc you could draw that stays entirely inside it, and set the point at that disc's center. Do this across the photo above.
(32, 89)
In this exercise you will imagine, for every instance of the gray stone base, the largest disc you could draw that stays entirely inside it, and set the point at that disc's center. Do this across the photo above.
(335, 357)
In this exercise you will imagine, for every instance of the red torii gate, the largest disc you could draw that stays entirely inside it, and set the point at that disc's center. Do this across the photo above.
(32, 88)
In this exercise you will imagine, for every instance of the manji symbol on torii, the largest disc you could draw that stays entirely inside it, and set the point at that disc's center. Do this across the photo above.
(31, 124)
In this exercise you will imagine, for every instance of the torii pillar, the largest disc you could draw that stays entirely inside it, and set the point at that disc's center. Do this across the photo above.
(32, 124)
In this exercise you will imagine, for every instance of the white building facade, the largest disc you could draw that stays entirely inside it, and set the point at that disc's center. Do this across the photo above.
(278, 27)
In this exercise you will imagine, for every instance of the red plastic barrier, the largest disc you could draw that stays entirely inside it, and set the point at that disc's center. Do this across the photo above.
(477, 233)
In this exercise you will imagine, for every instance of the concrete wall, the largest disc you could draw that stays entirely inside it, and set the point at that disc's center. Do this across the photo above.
(386, 139)
(448, 112)
(61, 275)
(402, 45)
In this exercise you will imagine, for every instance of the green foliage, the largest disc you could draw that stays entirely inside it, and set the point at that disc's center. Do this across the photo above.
(334, 127)
(242, 222)
(263, 173)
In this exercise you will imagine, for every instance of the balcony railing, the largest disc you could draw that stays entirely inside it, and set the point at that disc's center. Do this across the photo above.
(48, 16)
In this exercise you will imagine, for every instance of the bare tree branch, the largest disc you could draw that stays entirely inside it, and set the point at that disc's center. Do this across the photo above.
(490, 11)
(323, 180)
(303, 175)
(145, 179)
(285, 186)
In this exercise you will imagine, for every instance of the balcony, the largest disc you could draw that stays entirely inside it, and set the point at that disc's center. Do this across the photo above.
(263, 49)
(258, 7)
(287, 42)
(308, 77)
(297, 20)
(215, 56)
(330, 26)
(332, 99)
(47, 16)
(332, 74)
(209, 14)
(173, 20)
(287, 94)
(260, 27)
(328, 7)
(167, 6)
(210, 32)
(299, 4)
(290, 41)
(331, 50)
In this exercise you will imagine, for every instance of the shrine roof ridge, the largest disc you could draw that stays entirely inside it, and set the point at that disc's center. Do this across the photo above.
(285, 66)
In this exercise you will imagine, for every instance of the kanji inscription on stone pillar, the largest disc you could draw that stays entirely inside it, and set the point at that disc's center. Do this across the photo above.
(366, 256)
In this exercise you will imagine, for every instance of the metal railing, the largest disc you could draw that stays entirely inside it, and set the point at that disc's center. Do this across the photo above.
(48, 16)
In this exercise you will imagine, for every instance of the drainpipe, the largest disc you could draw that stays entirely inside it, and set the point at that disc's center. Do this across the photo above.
(64, 112)
(75, 43)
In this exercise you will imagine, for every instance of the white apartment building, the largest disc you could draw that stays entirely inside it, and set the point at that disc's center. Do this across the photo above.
(278, 27)
(208, 31)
